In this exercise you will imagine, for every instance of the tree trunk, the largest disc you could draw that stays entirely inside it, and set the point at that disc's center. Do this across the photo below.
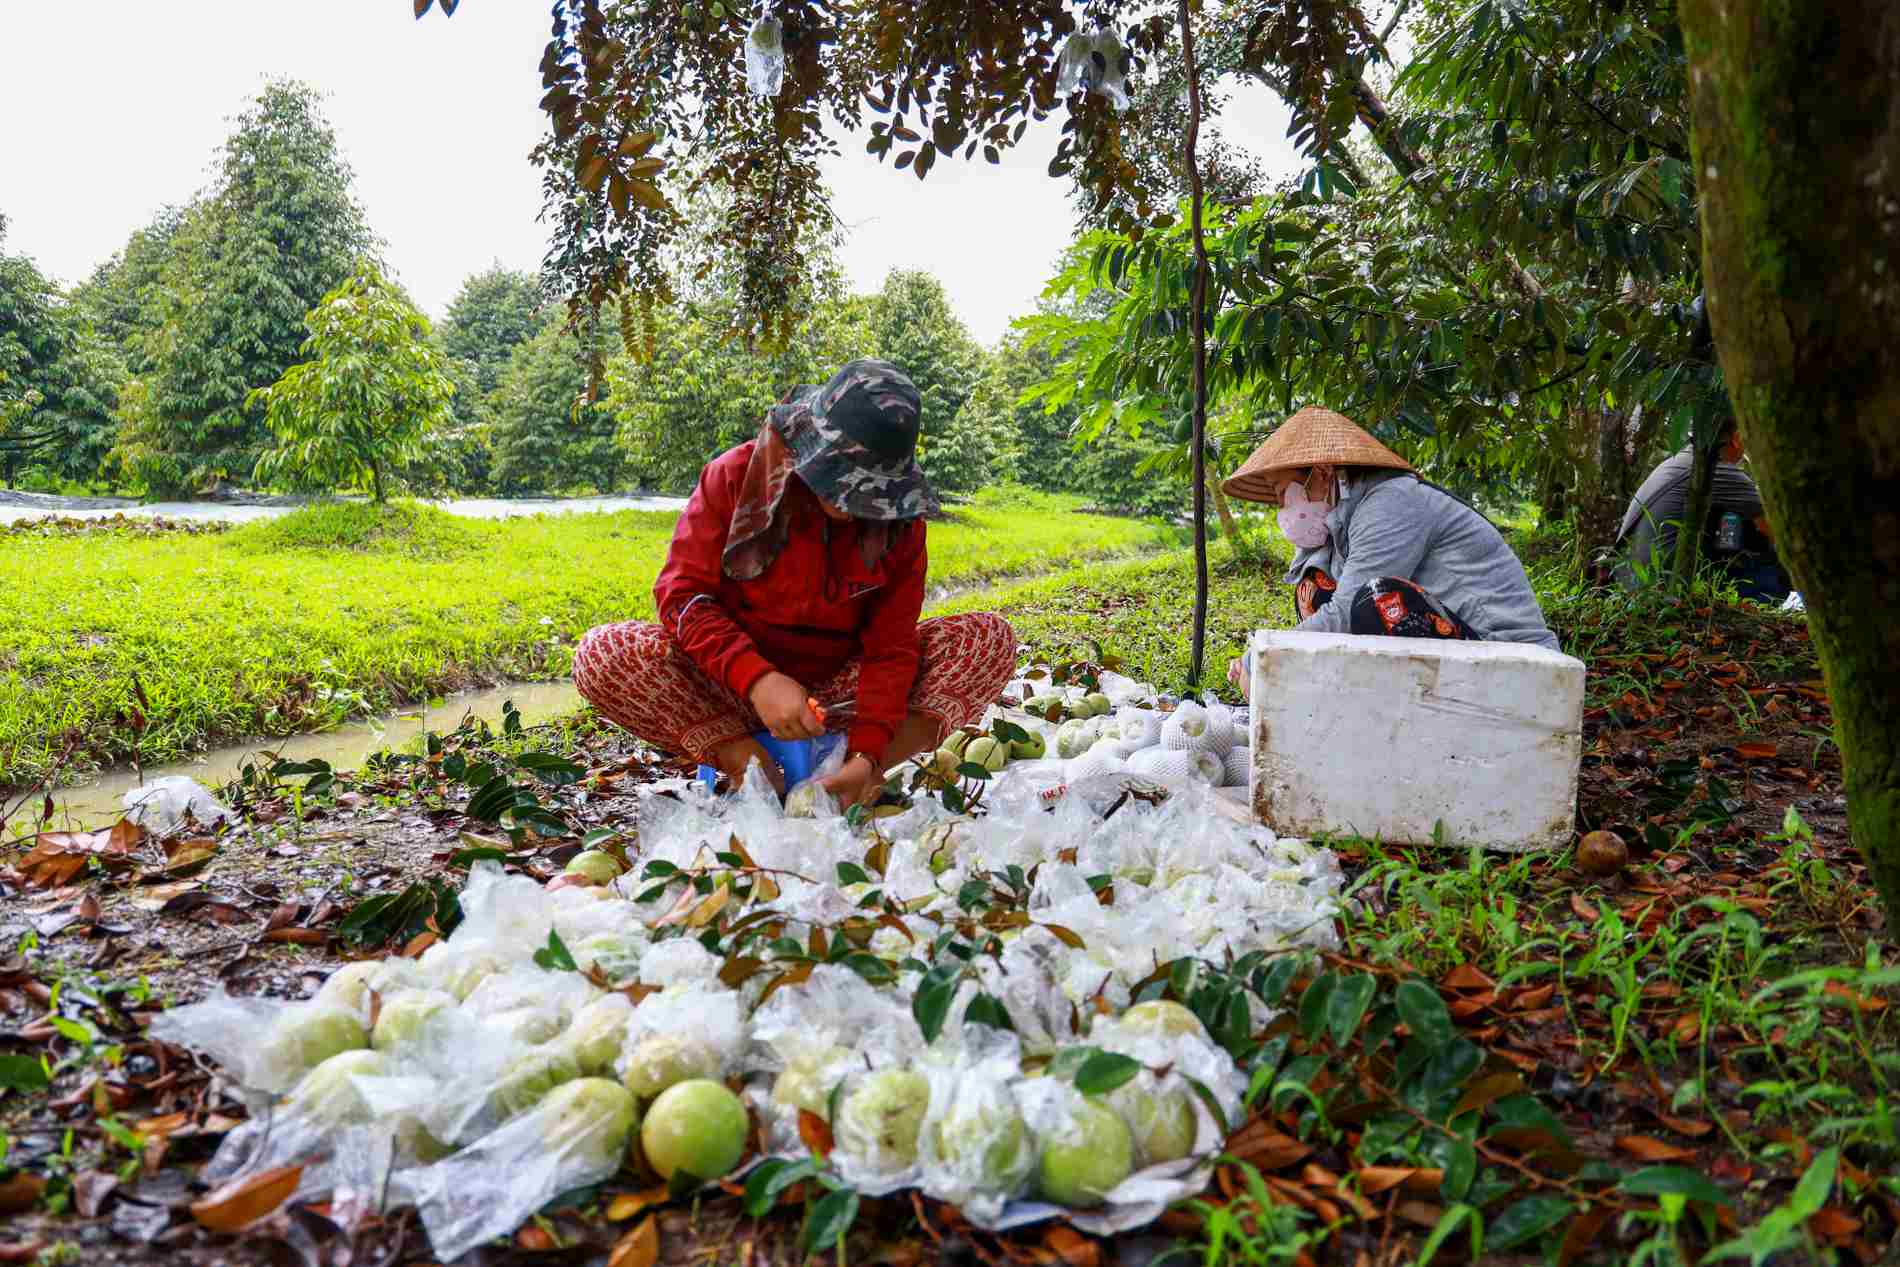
(1198, 297)
(376, 481)
(1598, 502)
(1797, 138)
(1221, 508)
(1695, 511)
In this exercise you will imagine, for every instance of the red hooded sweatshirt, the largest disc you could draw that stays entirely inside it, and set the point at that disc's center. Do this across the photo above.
(817, 606)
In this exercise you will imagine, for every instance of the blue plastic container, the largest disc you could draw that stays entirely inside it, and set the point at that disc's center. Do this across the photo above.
(798, 759)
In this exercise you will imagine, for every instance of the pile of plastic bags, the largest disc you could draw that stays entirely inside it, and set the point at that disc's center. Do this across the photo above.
(484, 1078)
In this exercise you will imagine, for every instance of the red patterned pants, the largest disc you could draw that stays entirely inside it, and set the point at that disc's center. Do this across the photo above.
(634, 676)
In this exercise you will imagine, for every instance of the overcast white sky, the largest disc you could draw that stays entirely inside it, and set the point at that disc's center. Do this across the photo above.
(437, 118)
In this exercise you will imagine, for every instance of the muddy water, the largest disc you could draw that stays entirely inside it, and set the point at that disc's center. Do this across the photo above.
(345, 747)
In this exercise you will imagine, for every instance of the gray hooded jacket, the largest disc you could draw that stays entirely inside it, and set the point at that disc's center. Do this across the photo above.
(1389, 524)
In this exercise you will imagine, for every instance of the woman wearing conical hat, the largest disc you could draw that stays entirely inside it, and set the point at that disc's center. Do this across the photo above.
(1378, 550)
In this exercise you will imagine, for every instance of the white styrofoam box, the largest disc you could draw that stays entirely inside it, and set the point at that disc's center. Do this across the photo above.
(1388, 738)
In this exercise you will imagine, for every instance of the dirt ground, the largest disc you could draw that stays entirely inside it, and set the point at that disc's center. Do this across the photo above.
(1698, 741)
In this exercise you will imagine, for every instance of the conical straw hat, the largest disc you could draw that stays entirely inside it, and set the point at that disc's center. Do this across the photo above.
(1311, 437)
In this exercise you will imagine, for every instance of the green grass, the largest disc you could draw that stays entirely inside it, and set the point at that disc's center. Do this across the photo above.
(1140, 610)
(336, 611)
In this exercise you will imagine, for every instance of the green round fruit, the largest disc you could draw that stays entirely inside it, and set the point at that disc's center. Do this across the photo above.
(594, 1118)
(596, 866)
(328, 1096)
(1072, 739)
(986, 1141)
(1162, 1122)
(528, 1078)
(956, 741)
(405, 1016)
(696, 1127)
(1081, 1166)
(594, 1039)
(1163, 1018)
(464, 973)
(986, 752)
(1097, 704)
(944, 762)
(530, 1025)
(349, 986)
(804, 1084)
(1033, 748)
(878, 1120)
(617, 955)
(658, 1061)
(303, 1039)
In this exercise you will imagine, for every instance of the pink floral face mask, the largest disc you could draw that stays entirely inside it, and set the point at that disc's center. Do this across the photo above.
(1303, 521)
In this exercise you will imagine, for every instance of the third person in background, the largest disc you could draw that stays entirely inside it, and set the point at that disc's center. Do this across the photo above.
(1737, 541)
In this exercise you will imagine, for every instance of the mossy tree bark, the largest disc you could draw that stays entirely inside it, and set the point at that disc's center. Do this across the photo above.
(1797, 138)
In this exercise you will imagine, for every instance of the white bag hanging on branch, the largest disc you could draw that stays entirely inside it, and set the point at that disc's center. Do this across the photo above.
(765, 57)
(1092, 61)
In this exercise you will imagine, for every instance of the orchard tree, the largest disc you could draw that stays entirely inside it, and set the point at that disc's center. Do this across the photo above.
(277, 231)
(58, 381)
(366, 400)
(914, 328)
(546, 436)
(494, 312)
(1797, 129)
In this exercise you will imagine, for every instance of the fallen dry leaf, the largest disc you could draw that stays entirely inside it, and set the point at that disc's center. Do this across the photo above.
(1488, 1090)
(1070, 1246)
(238, 1204)
(1265, 1148)
(628, 1204)
(1834, 1224)
(298, 936)
(815, 1133)
(20, 1251)
(1376, 1179)
(640, 1247)
(1644, 1148)
(20, 1192)
(1466, 977)
(1756, 751)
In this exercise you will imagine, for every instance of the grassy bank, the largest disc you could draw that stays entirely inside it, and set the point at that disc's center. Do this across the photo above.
(335, 611)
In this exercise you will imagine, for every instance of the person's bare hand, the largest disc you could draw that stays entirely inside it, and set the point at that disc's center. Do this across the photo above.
(1238, 677)
(785, 708)
(734, 756)
(856, 784)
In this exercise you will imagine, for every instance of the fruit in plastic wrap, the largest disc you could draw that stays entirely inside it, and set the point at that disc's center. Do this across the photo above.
(593, 1115)
(462, 974)
(878, 1119)
(805, 1083)
(807, 800)
(617, 955)
(304, 1038)
(596, 866)
(528, 1078)
(326, 1095)
(1097, 704)
(697, 1127)
(1082, 1163)
(349, 986)
(1160, 1119)
(1163, 1018)
(659, 1061)
(594, 1039)
(530, 1025)
(939, 844)
(404, 1017)
(1072, 739)
(986, 752)
(985, 1139)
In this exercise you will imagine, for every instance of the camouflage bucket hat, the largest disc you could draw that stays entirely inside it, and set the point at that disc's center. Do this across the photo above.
(855, 442)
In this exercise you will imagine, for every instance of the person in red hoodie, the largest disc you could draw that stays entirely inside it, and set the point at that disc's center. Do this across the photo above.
(790, 600)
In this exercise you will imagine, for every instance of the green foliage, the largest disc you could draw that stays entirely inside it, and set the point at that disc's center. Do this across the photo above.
(545, 435)
(278, 230)
(267, 630)
(914, 328)
(371, 392)
(125, 296)
(58, 380)
(493, 312)
(701, 392)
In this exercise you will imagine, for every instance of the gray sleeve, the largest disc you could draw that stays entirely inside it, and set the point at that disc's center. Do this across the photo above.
(1390, 533)
(1735, 490)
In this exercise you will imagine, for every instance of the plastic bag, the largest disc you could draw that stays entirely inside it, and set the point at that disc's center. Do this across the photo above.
(577, 1136)
(765, 57)
(1092, 60)
(164, 805)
